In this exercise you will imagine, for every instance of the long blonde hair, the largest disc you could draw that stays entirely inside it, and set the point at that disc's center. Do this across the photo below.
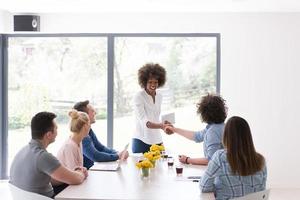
(78, 120)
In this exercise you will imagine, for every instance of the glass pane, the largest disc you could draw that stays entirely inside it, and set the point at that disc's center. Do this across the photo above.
(52, 73)
(191, 71)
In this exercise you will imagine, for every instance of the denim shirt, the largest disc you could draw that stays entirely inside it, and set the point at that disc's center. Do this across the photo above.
(211, 137)
(218, 178)
(94, 151)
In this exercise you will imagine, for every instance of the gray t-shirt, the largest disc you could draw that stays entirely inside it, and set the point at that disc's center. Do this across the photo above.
(32, 167)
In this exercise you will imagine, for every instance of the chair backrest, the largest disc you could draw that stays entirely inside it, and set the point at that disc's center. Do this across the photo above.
(19, 194)
(262, 195)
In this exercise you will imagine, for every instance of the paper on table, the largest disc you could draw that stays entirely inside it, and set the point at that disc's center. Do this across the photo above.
(194, 177)
(188, 178)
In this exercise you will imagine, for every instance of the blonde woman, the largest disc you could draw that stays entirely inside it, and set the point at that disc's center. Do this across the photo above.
(70, 154)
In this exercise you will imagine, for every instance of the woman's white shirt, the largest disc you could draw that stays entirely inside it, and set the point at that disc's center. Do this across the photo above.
(146, 110)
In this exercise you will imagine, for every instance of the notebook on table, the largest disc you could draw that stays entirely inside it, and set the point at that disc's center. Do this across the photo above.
(109, 166)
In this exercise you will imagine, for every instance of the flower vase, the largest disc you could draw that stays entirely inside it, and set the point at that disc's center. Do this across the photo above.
(153, 162)
(145, 172)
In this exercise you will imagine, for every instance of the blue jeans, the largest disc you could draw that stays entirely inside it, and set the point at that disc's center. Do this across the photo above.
(138, 146)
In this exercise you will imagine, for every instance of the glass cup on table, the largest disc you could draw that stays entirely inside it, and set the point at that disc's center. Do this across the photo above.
(164, 156)
(179, 169)
(170, 161)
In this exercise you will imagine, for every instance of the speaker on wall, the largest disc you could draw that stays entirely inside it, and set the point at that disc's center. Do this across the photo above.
(26, 23)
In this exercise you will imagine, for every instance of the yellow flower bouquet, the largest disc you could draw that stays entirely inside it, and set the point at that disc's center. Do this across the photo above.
(152, 156)
(156, 147)
(144, 165)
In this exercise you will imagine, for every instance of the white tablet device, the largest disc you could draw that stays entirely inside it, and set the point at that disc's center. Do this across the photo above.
(109, 166)
(170, 117)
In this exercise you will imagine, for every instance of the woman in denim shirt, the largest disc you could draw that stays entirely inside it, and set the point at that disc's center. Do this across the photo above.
(213, 111)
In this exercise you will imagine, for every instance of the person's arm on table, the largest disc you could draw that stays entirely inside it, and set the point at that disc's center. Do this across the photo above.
(194, 161)
(64, 175)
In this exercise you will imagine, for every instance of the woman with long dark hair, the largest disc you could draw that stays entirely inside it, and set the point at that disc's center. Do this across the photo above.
(238, 169)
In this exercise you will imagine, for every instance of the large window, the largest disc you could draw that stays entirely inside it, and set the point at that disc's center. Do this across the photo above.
(51, 72)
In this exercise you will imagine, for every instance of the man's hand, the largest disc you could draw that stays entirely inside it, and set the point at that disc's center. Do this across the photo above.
(123, 154)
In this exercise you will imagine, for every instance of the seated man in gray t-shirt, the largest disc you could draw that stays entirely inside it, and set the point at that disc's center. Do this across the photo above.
(34, 169)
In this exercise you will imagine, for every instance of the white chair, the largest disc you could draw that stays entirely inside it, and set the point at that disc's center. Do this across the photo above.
(4, 190)
(262, 195)
(19, 194)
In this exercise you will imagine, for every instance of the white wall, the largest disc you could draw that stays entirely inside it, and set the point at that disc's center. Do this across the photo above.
(6, 21)
(259, 70)
(2, 20)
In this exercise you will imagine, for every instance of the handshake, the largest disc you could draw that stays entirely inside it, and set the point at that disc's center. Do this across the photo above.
(168, 128)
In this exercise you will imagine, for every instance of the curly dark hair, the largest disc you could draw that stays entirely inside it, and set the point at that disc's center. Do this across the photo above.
(151, 70)
(212, 109)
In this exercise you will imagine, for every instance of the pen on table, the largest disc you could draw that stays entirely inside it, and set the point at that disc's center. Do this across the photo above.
(195, 180)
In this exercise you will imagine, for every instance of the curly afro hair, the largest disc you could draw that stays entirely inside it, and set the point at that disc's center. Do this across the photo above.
(151, 70)
(212, 109)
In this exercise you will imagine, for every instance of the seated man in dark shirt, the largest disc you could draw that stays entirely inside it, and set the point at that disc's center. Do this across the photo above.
(93, 150)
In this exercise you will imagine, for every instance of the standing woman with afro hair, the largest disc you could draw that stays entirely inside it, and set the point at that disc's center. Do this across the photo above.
(147, 107)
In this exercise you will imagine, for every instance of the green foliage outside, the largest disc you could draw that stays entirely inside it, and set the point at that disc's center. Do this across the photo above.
(50, 74)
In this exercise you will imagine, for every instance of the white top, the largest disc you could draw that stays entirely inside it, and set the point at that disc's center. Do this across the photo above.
(146, 110)
(70, 154)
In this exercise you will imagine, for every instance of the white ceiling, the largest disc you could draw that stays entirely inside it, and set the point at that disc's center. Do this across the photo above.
(84, 6)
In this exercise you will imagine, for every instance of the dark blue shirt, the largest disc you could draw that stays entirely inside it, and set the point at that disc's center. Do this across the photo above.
(94, 151)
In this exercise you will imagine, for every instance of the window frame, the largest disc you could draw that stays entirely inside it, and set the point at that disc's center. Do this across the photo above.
(4, 38)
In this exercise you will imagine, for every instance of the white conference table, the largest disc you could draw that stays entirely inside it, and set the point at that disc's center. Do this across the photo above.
(126, 183)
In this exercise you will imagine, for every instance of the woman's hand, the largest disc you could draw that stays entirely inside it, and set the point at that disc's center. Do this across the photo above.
(183, 159)
(169, 129)
(83, 170)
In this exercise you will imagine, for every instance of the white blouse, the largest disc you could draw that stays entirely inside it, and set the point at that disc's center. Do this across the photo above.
(146, 110)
